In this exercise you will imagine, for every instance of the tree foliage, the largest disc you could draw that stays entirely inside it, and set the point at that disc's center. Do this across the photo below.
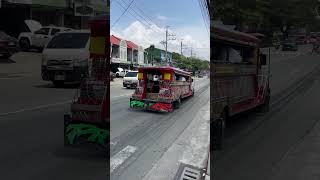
(265, 15)
(190, 63)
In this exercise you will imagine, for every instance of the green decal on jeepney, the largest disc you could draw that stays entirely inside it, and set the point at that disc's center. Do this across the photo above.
(150, 104)
(96, 135)
(136, 103)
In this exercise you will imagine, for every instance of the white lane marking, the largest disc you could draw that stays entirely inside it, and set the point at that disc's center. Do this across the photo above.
(35, 108)
(121, 156)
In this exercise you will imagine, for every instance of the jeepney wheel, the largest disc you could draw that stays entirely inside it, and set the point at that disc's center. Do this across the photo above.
(266, 105)
(177, 103)
(219, 129)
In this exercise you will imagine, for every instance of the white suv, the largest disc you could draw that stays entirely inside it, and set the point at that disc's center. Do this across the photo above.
(39, 35)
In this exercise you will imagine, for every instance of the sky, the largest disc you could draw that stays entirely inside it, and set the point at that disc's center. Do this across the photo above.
(145, 21)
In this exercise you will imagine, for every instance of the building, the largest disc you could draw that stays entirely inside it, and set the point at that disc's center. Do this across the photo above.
(156, 56)
(68, 13)
(125, 54)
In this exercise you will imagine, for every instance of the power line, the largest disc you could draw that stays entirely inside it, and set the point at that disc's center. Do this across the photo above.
(122, 13)
(145, 14)
(203, 13)
(139, 19)
(142, 15)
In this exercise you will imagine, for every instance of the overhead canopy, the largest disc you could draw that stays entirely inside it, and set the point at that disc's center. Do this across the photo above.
(219, 33)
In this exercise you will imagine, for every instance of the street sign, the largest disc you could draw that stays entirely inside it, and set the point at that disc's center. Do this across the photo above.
(81, 9)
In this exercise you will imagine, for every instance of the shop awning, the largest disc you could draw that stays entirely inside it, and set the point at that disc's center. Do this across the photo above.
(132, 45)
(115, 40)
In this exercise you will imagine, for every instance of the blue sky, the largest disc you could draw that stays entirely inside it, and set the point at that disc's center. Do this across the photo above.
(144, 23)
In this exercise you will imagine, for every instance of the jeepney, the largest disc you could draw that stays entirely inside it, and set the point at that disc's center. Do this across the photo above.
(161, 88)
(240, 78)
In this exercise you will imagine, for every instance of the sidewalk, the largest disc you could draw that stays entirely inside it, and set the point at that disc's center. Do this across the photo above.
(302, 162)
(191, 147)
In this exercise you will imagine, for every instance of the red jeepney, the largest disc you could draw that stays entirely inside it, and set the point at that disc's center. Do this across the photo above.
(161, 88)
(240, 78)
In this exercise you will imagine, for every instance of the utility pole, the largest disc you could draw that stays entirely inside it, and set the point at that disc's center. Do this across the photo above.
(191, 52)
(167, 44)
(181, 47)
(168, 35)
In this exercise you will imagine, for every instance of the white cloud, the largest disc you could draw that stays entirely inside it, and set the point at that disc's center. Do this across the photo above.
(162, 18)
(193, 36)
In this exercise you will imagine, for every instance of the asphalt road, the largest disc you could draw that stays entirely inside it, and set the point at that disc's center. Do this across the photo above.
(256, 142)
(31, 123)
(139, 138)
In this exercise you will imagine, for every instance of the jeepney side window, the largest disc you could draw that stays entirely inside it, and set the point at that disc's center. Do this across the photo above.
(248, 55)
(220, 53)
(234, 55)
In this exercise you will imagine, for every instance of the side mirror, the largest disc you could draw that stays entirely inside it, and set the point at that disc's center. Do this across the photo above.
(263, 59)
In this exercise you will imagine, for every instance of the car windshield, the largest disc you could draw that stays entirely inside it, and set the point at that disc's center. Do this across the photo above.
(131, 74)
(69, 40)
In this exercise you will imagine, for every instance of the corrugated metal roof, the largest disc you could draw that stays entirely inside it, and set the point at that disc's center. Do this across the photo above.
(114, 40)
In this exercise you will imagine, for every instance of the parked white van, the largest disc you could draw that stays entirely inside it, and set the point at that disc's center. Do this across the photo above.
(66, 57)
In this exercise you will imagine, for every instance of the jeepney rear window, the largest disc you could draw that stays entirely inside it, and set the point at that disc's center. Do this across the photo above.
(153, 81)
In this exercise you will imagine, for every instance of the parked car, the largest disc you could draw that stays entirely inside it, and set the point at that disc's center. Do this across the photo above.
(289, 45)
(8, 45)
(130, 80)
(121, 72)
(39, 35)
(66, 57)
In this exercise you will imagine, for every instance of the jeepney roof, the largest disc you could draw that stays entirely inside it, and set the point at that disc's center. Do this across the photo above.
(221, 33)
(167, 68)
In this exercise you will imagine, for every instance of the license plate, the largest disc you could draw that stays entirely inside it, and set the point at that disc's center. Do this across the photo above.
(59, 77)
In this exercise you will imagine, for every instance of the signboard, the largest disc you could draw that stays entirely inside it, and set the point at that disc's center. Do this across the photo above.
(81, 9)
(115, 60)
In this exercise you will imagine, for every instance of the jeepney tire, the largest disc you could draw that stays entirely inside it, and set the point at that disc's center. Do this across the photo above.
(219, 134)
(177, 103)
(265, 107)
(58, 84)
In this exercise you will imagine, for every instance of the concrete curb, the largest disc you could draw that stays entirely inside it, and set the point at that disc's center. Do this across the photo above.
(191, 147)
